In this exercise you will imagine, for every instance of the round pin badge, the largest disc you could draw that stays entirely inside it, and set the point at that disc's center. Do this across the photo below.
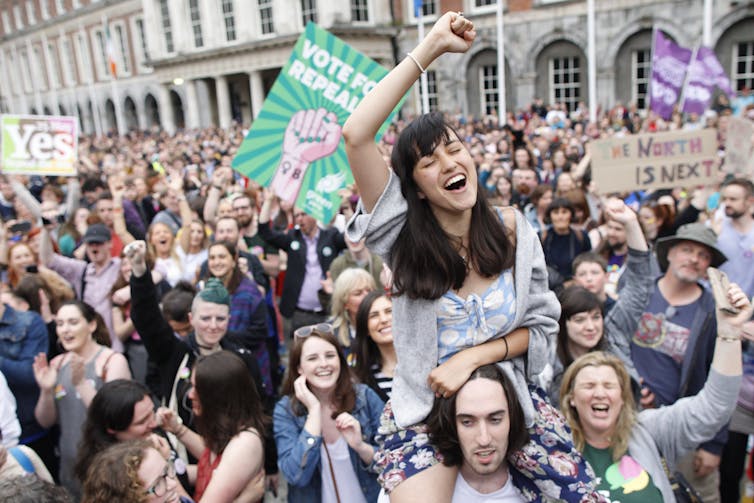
(295, 245)
(326, 251)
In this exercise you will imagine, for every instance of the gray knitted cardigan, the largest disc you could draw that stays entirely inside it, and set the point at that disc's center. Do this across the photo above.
(415, 321)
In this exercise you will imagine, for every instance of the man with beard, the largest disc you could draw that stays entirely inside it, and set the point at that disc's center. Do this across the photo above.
(736, 237)
(245, 211)
(474, 430)
(614, 250)
(673, 346)
(524, 181)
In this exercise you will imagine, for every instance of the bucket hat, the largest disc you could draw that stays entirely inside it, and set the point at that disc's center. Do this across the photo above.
(697, 233)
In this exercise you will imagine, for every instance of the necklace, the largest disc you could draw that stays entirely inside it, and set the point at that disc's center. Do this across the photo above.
(461, 249)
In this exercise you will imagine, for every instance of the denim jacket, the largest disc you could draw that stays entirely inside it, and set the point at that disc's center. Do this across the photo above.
(22, 336)
(299, 452)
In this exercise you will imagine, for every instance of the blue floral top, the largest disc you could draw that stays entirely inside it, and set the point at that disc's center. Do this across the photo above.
(466, 323)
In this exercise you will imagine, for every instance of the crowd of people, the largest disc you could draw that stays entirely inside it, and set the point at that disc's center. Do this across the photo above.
(477, 323)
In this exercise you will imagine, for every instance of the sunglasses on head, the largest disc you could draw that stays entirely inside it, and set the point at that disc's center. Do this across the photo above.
(308, 330)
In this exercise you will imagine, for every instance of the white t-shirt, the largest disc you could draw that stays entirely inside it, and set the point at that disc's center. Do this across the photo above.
(464, 493)
(349, 488)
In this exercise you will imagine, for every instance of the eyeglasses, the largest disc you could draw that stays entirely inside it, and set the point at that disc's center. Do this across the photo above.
(308, 330)
(160, 487)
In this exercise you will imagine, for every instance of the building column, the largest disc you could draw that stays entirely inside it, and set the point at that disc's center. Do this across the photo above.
(192, 105)
(223, 101)
(166, 109)
(257, 93)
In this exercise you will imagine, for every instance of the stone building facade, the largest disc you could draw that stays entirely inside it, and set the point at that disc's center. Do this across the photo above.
(195, 63)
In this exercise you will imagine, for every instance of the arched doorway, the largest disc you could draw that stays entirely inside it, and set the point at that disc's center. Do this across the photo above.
(151, 111)
(129, 114)
(482, 84)
(562, 74)
(177, 105)
(111, 123)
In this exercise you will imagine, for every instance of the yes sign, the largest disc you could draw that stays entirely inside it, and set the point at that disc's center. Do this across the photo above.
(39, 145)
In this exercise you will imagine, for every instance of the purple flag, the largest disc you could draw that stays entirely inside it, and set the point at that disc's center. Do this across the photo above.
(669, 62)
(705, 73)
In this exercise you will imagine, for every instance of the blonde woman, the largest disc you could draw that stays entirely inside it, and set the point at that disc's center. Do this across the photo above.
(349, 290)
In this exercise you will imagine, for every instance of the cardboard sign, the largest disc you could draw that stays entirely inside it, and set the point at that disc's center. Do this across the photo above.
(739, 147)
(294, 146)
(655, 160)
(39, 145)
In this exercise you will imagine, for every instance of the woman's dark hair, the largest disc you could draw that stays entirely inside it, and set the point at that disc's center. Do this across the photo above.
(236, 276)
(343, 397)
(574, 300)
(112, 408)
(557, 203)
(442, 420)
(101, 333)
(364, 348)
(228, 397)
(439, 267)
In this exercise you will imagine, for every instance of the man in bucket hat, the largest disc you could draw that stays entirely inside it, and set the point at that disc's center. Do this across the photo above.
(672, 348)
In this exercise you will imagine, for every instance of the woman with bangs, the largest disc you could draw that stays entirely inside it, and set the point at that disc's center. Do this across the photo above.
(325, 424)
(474, 259)
(585, 324)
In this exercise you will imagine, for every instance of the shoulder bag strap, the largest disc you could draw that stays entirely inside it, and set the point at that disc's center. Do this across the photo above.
(332, 473)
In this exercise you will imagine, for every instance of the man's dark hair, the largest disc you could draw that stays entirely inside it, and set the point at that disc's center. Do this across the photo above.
(176, 304)
(744, 183)
(91, 184)
(442, 419)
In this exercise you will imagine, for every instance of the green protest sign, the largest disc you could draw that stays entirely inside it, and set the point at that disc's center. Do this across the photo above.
(39, 145)
(294, 146)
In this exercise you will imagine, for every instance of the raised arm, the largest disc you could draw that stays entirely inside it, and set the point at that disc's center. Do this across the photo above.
(117, 190)
(451, 33)
(217, 188)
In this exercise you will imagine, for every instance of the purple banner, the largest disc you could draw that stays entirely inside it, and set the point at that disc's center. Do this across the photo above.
(669, 63)
(705, 73)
